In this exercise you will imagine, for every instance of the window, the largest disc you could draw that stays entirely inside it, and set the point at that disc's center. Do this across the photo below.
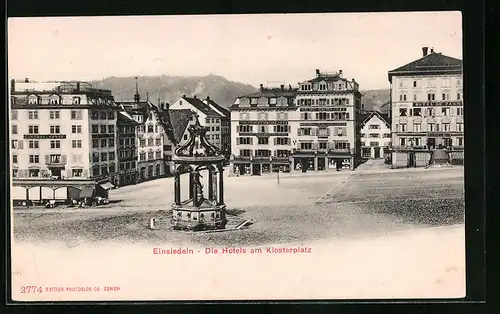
(104, 170)
(445, 111)
(111, 142)
(76, 129)
(305, 145)
(417, 112)
(102, 115)
(402, 112)
(76, 100)
(460, 127)
(54, 100)
(150, 128)
(272, 101)
(33, 115)
(34, 159)
(342, 145)
(244, 141)
(460, 141)
(402, 97)
(94, 115)
(168, 147)
(76, 172)
(322, 145)
(103, 142)
(150, 156)
(417, 127)
(13, 114)
(33, 129)
(374, 135)
(402, 141)
(445, 96)
(112, 168)
(150, 142)
(77, 158)
(263, 140)
(111, 116)
(111, 128)
(387, 135)
(459, 96)
(446, 127)
(282, 141)
(55, 129)
(142, 142)
(430, 112)
(104, 156)
(158, 142)
(282, 153)
(95, 170)
(414, 83)
(322, 86)
(373, 143)
(14, 159)
(432, 127)
(76, 115)
(54, 114)
(374, 127)
(402, 127)
(460, 111)
(142, 156)
(158, 155)
(76, 144)
(103, 129)
(185, 137)
(14, 129)
(111, 156)
(14, 144)
(95, 128)
(431, 96)
(33, 144)
(95, 143)
(55, 144)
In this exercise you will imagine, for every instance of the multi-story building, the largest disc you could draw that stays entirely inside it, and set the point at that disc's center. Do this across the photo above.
(210, 116)
(325, 128)
(225, 125)
(62, 131)
(149, 140)
(375, 132)
(261, 126)
(427, 102)
(127, 148)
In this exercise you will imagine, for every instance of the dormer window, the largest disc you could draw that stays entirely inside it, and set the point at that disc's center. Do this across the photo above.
(253, 101)
(282, 101)
(244, 102)
(263, 101)
(322, 86)
(306, 87)
(33, 100)
(272, 101)
(76, 100)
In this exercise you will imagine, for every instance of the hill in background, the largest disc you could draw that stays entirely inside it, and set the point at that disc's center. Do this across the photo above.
(224, 92)
(170, 88)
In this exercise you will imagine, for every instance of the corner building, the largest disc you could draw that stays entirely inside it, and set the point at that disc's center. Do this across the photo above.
(427, 102)
(324, 125)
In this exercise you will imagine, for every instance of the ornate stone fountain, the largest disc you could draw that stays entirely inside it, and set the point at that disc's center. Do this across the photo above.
(204, 209)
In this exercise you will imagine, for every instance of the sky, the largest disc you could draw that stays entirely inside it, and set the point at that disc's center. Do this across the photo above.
(252, 49)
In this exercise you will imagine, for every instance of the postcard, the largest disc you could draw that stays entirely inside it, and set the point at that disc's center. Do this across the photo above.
(237, 157)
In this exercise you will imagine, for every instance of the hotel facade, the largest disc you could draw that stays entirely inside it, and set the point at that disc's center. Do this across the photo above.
(309, 128)
(427, 102)
(61, 133)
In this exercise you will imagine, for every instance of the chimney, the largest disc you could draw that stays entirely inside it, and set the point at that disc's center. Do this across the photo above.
(340, 73)
(208, 98)
(290, 87)
(195, 97)
(12, 85)
(317, 72)
(424, 50)
(282, 87)
(183, 96)
(362, 106)
(77, 86)
(261, 87)
(432, 50)
(26, 80)
(166, 106)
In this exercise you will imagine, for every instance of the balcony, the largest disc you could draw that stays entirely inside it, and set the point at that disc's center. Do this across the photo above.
(55, 160)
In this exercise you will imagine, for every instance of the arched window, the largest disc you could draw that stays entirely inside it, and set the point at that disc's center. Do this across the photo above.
(33, 99)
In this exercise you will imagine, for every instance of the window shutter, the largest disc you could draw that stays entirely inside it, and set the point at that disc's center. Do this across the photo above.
(251, 140)
(47, 160)
(328, 131)
(237, 128)
(275, 141)
(336, 130)
(298, 131)
(275, 129)
(238, 141)
(20, 144)
(64, 159)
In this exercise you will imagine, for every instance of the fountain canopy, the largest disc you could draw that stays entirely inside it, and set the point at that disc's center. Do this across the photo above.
(202, 209)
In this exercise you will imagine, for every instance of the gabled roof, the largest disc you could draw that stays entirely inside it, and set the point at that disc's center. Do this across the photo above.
(125, 118)
(326, 78)
(367, 115)
(137, 108)
(178, 120)
(201, 106)
(431, 63)
(220, 108)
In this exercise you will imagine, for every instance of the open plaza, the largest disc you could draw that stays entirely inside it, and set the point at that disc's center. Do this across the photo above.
(298, 207)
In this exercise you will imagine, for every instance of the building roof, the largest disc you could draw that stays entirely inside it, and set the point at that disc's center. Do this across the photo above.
(201, 106)
(178, 120)
(125, 118)
(220, 108)
(365, 116)
(433, 63)
(289, 93)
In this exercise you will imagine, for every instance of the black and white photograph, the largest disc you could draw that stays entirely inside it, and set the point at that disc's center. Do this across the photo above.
(237, 157)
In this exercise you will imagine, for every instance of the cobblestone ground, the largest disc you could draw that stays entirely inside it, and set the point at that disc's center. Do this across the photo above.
(299, 208)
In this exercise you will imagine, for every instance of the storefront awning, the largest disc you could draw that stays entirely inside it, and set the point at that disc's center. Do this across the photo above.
(106, 186)
(87, 192)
